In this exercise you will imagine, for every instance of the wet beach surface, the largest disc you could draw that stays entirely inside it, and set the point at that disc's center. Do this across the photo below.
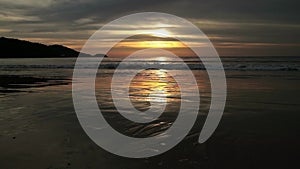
(259, 129)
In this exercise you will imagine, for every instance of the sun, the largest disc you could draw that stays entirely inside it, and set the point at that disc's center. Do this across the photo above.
(159, 38)
(162, 58)
(159, 33)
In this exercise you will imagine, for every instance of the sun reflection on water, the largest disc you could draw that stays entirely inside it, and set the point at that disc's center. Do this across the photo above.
(153, 86)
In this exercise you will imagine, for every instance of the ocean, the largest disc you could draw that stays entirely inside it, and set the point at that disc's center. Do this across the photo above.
(259, 128)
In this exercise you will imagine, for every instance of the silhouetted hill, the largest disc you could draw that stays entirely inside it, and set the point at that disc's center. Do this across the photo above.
(100, 55)
(14, 48)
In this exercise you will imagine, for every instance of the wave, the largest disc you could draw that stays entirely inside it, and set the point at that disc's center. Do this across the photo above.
(169, 66)
(229, 63)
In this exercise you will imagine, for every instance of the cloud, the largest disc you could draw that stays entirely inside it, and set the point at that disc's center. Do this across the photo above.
(6, 16)
(27, 3)
(230, 21)
(83, 21)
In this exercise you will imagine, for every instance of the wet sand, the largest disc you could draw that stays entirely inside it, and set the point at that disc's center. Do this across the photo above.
(259, 129)
(11, 82)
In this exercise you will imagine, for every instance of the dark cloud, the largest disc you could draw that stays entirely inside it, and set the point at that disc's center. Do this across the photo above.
(226, 21)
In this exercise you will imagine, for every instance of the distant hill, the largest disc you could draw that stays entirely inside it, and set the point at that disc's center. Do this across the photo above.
(100, 55)
(14, 48)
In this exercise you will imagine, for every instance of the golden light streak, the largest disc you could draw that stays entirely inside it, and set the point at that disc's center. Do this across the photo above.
(152, 44)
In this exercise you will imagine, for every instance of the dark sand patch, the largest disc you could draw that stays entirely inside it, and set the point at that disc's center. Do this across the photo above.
(9, 83)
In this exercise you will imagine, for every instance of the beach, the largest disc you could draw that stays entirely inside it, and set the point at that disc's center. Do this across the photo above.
(259, 128)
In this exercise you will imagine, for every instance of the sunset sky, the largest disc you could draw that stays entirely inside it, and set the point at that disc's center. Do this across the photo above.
(236, 28)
